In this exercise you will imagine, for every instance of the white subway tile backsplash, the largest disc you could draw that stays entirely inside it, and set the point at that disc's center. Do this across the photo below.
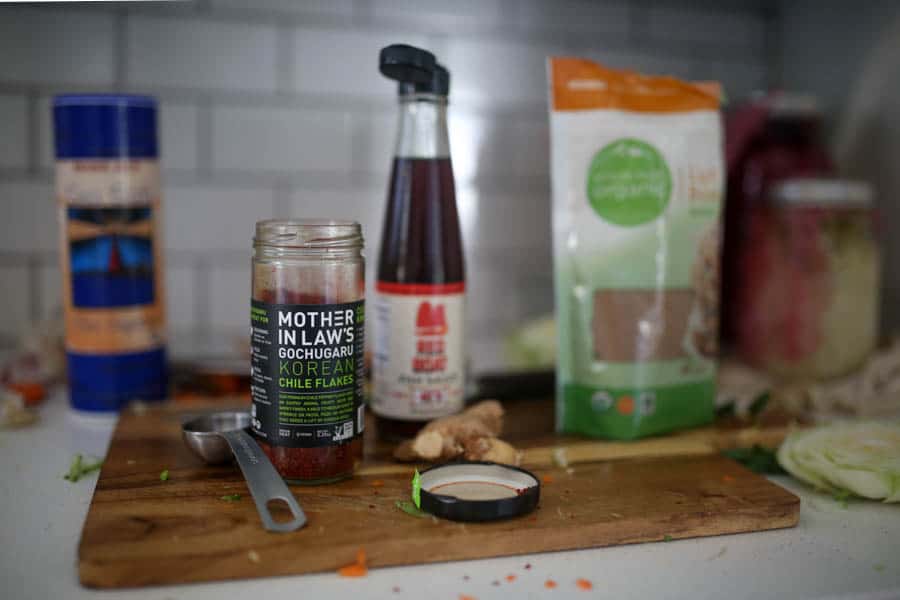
(741, 29)
(325, 113)
(229, 298)
(181, 298)
(529, 152)
(574, 15)
(676, 65)
(381, 139)
(485, 351)
(50, 282)
(441, 15)
(499, 72)
(738, 79)
(365, 205)
(500, 221)
(16, 314)
(178, 131)
(342, 8)
(44, 47)
(505, 288)
(45, 149)
(209, 218)
(200, 54)
(345, 62)
(14, 140)
(28, 217)
(479, 147)
(489, 147)
(281, 140)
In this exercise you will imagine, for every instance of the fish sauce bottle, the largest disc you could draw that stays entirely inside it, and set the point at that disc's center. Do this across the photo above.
(418, 363)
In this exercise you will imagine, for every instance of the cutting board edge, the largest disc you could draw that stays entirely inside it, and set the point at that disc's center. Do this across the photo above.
(96, 575)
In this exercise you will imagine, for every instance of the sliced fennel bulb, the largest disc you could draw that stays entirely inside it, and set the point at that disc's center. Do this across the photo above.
(860, 457)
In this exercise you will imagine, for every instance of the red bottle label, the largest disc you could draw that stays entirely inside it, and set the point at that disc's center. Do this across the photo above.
(418, 366)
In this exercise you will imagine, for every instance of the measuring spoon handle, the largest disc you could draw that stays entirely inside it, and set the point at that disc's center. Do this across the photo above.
(264, 481)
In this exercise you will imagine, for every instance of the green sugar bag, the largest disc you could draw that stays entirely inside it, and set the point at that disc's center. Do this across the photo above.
(637, 172)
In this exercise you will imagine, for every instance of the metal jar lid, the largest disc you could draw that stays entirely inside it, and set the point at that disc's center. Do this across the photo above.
(821, 192)
(478, 491)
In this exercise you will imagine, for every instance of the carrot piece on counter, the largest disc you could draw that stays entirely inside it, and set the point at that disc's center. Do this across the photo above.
(550, 584)
(357, 569)
(353, 571)
(547, 479)
(584, 584)
(32, 392)
(510, 578)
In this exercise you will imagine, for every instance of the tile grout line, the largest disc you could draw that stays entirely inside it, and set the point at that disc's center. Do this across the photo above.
(773, 45)
(120, 49)
(281, 193)
(204, 135)
(361, 13)
(34, 290)
(33, 126)
(285, 59)
(202, 299)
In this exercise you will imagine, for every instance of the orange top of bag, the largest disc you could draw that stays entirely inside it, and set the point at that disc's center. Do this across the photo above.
(579, 84)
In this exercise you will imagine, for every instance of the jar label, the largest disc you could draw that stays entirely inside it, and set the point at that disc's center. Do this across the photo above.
(306, 370)
(111, 257)
(418, 363)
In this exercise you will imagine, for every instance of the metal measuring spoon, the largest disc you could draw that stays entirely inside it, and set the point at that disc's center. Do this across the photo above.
(215, 437)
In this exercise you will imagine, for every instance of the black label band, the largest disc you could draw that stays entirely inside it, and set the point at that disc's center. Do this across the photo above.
(307, 373)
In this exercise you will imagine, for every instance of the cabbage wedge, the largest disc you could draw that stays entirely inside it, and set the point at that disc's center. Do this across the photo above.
(862, 458)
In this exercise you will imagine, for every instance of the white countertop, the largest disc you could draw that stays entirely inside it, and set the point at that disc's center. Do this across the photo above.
(833, 553)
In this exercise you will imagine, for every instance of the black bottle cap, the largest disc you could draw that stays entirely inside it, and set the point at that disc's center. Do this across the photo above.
(438, 84)
(415, 69)
(478, 491)
(406, 63)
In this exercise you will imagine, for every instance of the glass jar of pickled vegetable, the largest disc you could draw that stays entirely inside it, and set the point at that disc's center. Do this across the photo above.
(810, 280)
(307, 322)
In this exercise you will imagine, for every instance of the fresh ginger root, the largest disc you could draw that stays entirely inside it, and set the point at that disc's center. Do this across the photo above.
(492, 450)
(471, 434)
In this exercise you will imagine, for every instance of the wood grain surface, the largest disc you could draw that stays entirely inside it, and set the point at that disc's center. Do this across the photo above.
(143, 531)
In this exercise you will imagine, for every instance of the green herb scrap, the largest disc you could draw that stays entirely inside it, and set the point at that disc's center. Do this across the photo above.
(667, 538)
(759, 404)
(411, 509)
(79, 468)
(758, 459)
(231, 497)
(417, 489)
(841, 496)
(725, 410)
(164, 476)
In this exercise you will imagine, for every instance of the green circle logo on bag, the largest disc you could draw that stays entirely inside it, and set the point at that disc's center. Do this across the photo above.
(629, 182)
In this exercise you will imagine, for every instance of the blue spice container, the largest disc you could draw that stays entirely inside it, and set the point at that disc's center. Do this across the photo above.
(108, 192)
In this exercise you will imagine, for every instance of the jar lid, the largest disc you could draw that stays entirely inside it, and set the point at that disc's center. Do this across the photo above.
(478, 491)
(789, 104)
(827, 193)
(309, 233)
(105, 126)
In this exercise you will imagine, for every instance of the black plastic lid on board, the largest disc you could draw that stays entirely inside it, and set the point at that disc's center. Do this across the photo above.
(478, 491)
(416, 70)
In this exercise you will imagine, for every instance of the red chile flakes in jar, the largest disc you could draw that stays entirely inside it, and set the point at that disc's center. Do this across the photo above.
(307, 321)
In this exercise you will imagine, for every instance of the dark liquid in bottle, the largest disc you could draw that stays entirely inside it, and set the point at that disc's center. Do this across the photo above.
(421, 241)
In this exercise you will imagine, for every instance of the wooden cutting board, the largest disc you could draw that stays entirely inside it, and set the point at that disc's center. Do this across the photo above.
(143, 531)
